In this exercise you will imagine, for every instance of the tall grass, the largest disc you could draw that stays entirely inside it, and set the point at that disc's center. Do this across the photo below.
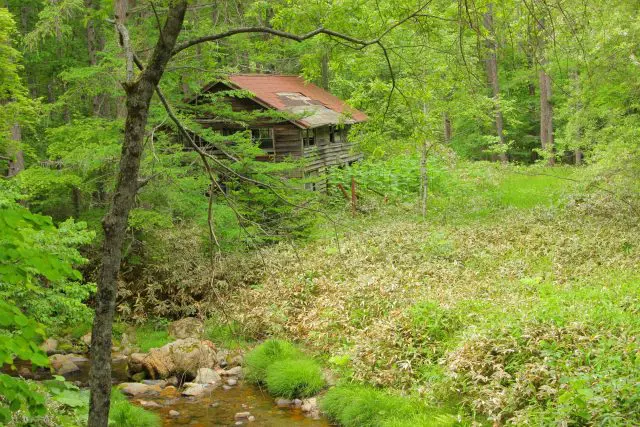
(363, 406)
(125, 414)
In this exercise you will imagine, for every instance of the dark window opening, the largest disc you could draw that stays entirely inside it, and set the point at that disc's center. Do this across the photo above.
(309, 138)
(332, 134)
(264, 138)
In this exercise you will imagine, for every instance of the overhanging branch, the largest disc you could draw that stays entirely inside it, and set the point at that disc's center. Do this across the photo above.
(362, 43)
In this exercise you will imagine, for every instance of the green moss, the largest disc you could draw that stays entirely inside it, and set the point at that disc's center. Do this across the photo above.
(125, 414)
(260, 358)
(294, 378)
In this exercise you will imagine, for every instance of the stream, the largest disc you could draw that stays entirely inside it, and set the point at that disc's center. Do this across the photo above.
(217, 408)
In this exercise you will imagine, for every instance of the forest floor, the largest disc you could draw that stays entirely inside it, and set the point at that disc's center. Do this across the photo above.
(517, 300)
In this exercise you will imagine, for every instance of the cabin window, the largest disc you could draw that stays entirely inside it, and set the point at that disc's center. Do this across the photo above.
(263, 137)
(343, 134)
(332, 134)
(309, 138)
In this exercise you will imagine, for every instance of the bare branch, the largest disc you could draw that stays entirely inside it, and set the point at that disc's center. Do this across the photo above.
(295, 37)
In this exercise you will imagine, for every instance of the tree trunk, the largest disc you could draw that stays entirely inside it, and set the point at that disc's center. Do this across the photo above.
(492, 76)
(16, 164)
(138, 92)
(446, 127)
(546, 108)
(95, 44)
(577, 93)
(546, 116)
(424, 180)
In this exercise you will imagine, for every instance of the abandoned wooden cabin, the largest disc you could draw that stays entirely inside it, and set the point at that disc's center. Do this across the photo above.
(317, 129)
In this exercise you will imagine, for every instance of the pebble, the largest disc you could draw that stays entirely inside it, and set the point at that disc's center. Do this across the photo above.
(150, 404)
(160, 383)
(195, 389)
(283, 403)
(251, 419)
(239, 416)
(226, 387)
(233, 372)
(136, 389)
(207, 376)
(297, 403)
(214, 404)
(232, 381)
(174, 414)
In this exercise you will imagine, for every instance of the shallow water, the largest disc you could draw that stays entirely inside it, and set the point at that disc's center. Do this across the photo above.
(216, 409)
(219, 408)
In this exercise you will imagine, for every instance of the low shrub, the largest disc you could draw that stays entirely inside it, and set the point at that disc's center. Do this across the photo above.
(294, 378)
(125, 414)
(260, 358)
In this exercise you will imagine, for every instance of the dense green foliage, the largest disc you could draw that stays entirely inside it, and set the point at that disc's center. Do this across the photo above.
(68, 405)
(37, 275)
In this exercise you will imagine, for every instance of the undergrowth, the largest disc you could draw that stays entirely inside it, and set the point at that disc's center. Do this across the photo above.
(517, 298)
(362, 406)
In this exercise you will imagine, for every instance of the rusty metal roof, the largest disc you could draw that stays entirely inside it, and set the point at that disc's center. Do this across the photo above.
(292, 94)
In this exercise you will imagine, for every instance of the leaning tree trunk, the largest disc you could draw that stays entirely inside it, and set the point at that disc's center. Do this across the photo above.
(492, 76)
(138, 94)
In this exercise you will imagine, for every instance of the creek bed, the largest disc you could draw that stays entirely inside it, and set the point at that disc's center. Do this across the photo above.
(217, 408)
(220, 406)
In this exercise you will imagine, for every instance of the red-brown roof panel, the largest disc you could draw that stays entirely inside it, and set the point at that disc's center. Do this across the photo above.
(276, 91)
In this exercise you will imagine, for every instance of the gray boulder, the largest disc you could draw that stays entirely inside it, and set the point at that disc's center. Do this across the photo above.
(189, 327)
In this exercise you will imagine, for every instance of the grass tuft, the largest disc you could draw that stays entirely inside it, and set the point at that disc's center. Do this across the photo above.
(150, 336)
(125, 414)
(364, 406)
(260, 358)
(294, 378)
(228, 335)
(360, 406)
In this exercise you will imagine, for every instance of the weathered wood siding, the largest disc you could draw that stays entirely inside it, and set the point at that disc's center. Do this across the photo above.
(288, 139)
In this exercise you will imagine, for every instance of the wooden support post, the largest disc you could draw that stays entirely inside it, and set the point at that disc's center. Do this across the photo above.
(353, 196)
